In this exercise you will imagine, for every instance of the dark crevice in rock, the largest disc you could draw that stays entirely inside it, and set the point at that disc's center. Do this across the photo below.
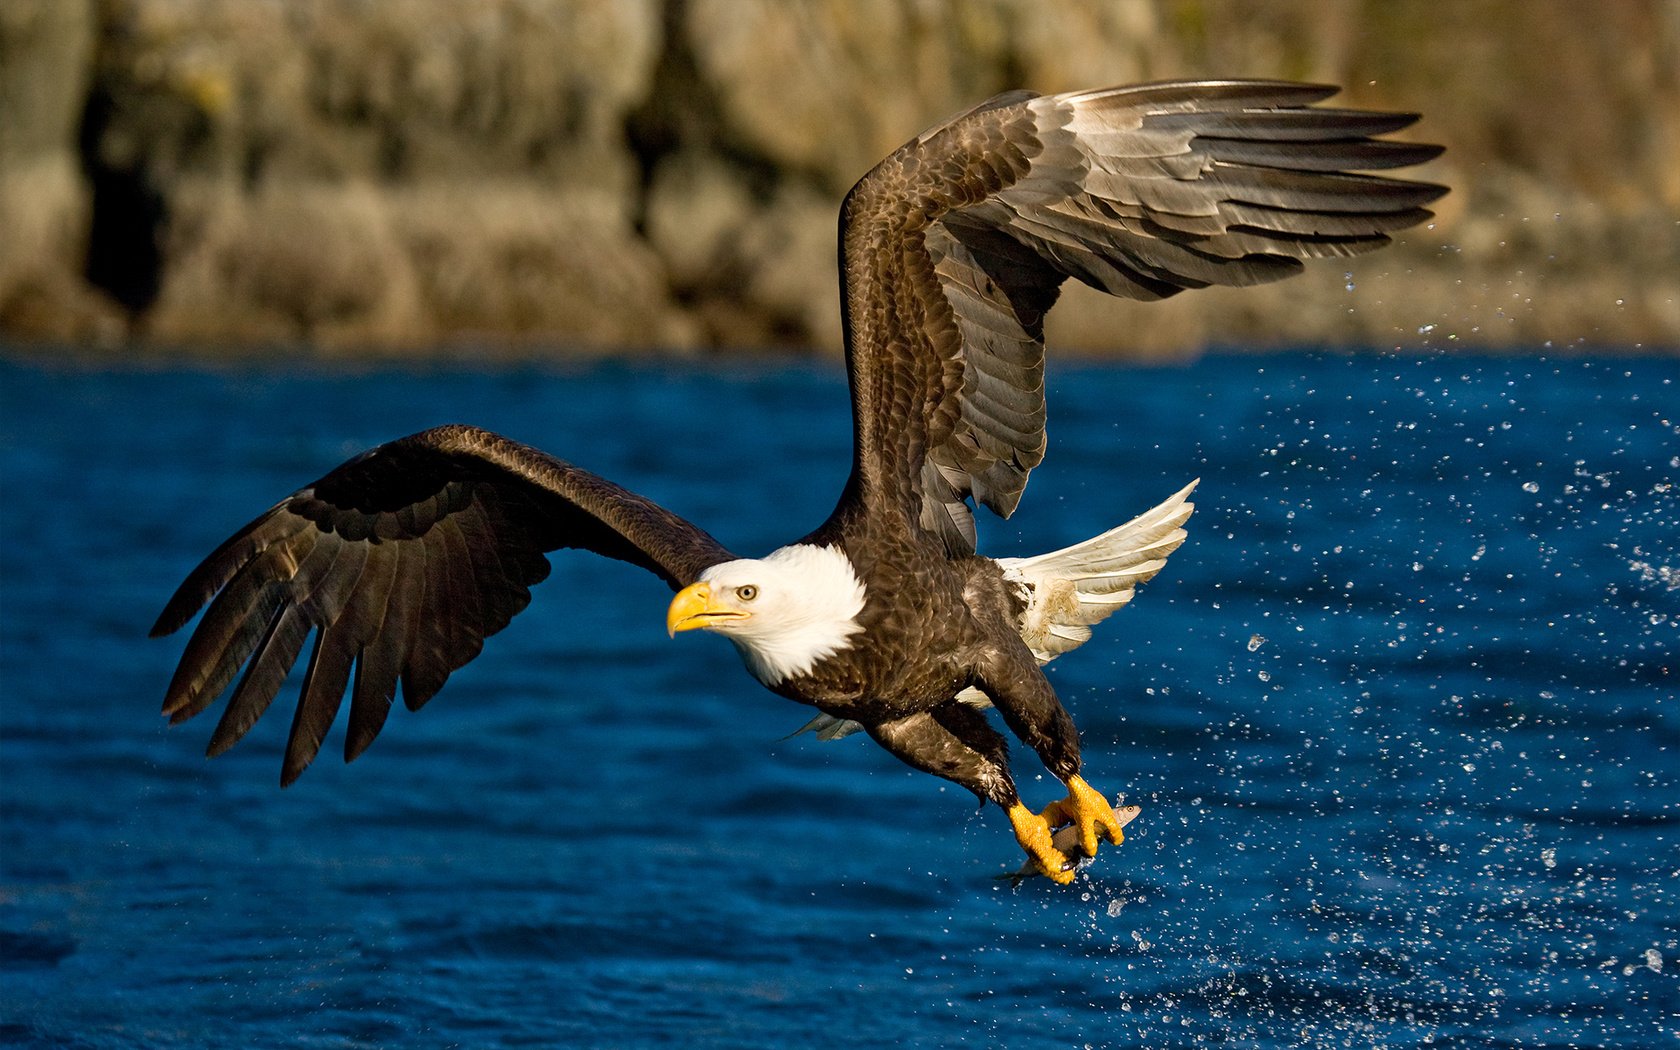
(130, 214)
(683, 111)
(135, 138)
(679, 108)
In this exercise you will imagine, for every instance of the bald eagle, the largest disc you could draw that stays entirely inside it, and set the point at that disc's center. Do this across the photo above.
(403, 560)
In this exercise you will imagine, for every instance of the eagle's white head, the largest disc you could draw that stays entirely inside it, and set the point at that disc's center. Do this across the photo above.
(784, 611)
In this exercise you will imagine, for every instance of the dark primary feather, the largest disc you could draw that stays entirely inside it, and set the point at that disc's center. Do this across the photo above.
(400, 562)
(955, 247)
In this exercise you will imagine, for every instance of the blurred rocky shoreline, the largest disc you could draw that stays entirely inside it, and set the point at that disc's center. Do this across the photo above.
(563, 176)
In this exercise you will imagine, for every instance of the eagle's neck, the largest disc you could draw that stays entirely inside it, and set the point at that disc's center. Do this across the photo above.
(820, 622)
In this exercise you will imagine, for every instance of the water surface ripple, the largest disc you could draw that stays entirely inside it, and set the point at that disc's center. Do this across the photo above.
(1401, 714)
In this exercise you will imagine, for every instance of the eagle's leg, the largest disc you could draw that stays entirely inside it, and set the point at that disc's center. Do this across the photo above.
(1033, 833)
(1034, 713)
(954, 741)
(1086, 807)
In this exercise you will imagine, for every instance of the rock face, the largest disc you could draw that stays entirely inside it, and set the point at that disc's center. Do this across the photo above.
(629, 174)
(46, 51)
(374, 175)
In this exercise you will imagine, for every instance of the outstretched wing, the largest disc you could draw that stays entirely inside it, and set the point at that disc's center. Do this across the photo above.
(954, 248)
(401, 561)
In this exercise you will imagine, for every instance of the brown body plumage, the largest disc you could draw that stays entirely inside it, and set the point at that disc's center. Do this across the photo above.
(885, 618)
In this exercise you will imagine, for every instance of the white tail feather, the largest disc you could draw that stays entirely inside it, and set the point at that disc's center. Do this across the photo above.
(1069, 590)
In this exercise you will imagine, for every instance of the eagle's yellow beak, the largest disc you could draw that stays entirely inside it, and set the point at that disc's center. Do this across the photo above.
(694, 607)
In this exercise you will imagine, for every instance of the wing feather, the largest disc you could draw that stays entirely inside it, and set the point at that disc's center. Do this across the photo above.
(227, 636)
(323, 690)
(428, 665)
(263, 676)
(385, 643)
(330, 662)
(401, 562)
(465, 638)
(219, 568)
(954, 247)
(1317, 124)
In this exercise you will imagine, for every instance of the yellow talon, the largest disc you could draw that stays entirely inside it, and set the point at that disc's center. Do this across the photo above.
(1058, 813)
(1033, 834)
(1086, 808)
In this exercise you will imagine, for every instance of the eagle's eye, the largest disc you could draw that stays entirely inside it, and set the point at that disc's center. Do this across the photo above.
(746, 593)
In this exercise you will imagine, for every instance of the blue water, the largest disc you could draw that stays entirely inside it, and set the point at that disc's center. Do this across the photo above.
(1401, 715)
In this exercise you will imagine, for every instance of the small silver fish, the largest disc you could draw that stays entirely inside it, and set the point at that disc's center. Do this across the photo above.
(1066, 841)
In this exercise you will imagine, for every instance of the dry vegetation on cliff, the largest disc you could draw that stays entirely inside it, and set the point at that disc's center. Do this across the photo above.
(665, 173)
